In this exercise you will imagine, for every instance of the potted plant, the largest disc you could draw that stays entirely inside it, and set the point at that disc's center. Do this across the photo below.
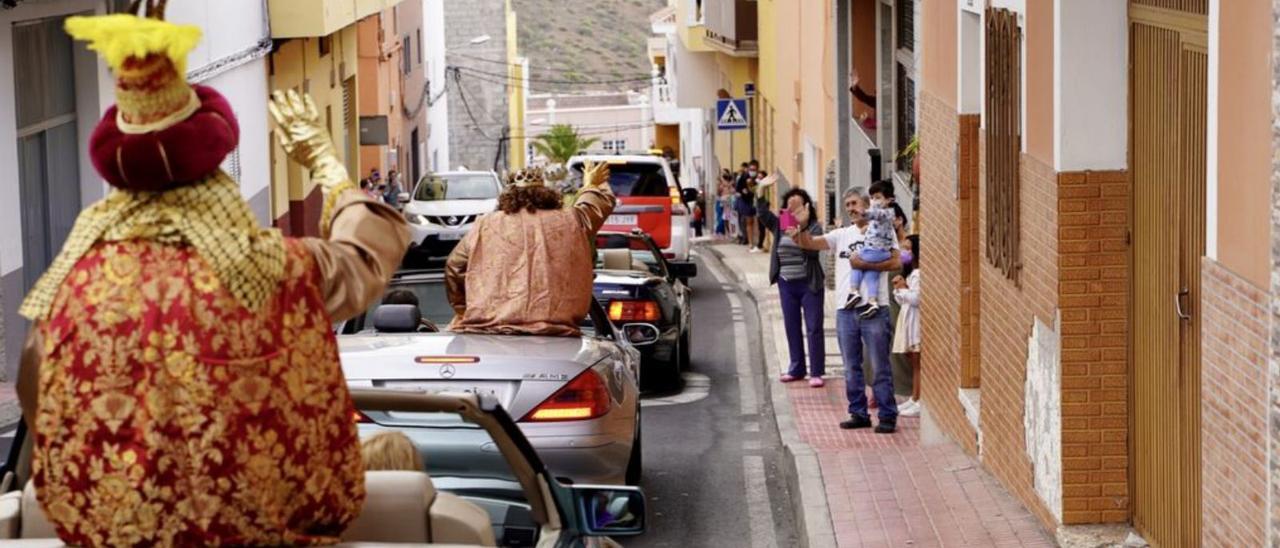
(912, 151)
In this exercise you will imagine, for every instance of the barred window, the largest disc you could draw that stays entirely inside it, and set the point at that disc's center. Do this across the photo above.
(1004, 139)
(906, 24)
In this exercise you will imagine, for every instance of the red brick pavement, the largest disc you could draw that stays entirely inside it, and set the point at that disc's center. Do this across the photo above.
(889, 490)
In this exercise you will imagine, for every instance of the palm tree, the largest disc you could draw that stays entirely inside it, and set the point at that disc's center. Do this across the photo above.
(561, 142)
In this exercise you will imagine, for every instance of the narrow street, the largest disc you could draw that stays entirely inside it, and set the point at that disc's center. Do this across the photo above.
(712, 466)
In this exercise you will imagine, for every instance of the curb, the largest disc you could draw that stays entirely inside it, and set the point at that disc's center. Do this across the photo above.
(804, 474)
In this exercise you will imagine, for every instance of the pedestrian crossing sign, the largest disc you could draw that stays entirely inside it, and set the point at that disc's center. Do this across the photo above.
(731, 114)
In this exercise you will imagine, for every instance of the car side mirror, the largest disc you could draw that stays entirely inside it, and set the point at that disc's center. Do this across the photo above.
(640, 334)
(610, 511)
(403, 197)
(689, 195)
(683, 270)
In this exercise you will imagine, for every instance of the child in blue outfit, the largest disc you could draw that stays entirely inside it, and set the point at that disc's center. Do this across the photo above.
(877, 248)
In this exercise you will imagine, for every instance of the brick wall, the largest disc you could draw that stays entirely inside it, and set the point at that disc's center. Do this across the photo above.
(1234, 409)
(1008, 311)
(940, 237)
(1093, 262)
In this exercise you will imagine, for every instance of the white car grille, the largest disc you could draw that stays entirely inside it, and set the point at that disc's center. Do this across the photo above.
(451, 220)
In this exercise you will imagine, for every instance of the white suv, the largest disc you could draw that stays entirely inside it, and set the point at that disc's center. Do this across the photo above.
(649, 198)
(444, 206)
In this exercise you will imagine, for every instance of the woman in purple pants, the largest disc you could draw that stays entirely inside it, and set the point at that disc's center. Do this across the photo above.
(801, 282)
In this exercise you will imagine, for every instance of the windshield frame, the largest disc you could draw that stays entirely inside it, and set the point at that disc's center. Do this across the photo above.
(448, 178)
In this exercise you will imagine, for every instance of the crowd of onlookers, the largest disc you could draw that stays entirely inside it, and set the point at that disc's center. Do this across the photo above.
(386, 190)
(877, 268)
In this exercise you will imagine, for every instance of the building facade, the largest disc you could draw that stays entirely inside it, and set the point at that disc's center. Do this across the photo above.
(53, 96)
(384, 61)
(437, 82)
(1100, 298)
(618, 121)
(414, 92)
(479, 81)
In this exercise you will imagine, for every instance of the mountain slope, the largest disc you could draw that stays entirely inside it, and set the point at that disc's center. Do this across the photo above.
(572, 43)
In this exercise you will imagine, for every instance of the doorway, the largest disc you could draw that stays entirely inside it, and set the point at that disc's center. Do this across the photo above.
(1168, 146)
(48, 140)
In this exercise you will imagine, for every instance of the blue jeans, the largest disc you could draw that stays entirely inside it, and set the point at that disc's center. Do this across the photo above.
(872, 277)
(798, 299)
(856, 334)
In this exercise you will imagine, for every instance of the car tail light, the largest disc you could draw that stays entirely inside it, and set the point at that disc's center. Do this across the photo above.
(585, 397)
(675, 196)
(634, 311)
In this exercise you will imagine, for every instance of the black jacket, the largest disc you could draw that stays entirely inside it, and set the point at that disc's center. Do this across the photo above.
(812, 261)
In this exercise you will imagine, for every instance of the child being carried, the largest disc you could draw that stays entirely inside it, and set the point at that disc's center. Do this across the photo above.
(878, 247)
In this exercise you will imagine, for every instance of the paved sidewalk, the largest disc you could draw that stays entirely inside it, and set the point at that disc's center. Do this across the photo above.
(858, 488)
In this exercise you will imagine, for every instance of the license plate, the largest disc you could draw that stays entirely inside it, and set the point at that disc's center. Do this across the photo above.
(450, 236)
(621, 220)
(498, 390)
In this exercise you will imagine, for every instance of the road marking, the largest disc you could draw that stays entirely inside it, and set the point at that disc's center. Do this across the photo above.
(734, 300)
(750, 426)
(759, 508)
(748, 403)
(696, 387)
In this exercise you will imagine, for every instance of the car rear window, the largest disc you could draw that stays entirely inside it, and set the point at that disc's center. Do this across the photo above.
(634, 180)
(479, 186)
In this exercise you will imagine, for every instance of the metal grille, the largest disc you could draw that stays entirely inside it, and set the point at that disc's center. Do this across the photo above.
(1004, 139)
(906, 114)
(231, 164)
(1200, 7)
(906, 13)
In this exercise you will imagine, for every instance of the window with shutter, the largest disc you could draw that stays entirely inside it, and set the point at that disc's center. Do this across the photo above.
(1003, 139)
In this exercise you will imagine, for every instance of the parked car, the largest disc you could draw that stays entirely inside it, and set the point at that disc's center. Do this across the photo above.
(444, 206)
(649, 198)
(638, 286)
(577, 399)
(484, 484)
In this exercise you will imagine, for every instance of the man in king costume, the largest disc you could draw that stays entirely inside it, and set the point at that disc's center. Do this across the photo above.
(181, 377)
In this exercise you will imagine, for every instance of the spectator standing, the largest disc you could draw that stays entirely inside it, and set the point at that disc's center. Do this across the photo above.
(798, 274)
(746, 208)
(906, 337)
(392, 195)
(857, 334)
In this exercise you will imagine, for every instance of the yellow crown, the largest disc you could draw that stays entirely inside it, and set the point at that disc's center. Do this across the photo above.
(527, 177)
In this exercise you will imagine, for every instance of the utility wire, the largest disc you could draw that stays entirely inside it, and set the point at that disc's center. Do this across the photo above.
(511, 84)
(551, 81)
(531, 65)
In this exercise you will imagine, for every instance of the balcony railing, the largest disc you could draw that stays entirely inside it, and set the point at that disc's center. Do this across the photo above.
(731, 26)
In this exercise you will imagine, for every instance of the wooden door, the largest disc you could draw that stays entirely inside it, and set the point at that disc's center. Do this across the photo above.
(1168, 101)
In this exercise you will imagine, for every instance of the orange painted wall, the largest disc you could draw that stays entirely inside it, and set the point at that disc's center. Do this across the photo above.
(862, 46)
(939, 60)
(817, 62)
(378, 79)
(1038, 34)
(1244, 139)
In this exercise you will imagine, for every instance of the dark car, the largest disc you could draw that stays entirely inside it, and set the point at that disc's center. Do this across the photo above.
(643, 292)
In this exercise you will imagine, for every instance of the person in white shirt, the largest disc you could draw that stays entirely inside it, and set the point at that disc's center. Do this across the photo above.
(853, 332)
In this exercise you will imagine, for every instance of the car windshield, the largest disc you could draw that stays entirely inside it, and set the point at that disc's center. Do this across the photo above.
(451, 449)
(633, 180)
(640, 251)
(478, 186)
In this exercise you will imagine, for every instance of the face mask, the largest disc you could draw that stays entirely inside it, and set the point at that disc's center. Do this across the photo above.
(906, 257)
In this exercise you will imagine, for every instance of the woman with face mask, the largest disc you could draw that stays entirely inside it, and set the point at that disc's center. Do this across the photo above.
(906, 336)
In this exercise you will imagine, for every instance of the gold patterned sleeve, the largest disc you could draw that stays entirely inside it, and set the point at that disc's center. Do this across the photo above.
(367, 241)
(455, 272)
(593, 206)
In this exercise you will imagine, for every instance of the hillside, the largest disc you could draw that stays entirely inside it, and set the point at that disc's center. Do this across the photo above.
(586, 41)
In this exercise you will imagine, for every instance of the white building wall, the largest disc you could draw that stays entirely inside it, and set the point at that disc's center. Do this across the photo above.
(1091, 77)
(437, 157)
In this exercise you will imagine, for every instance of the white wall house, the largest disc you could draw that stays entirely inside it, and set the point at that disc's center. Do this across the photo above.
(53, 91)
(438, 109)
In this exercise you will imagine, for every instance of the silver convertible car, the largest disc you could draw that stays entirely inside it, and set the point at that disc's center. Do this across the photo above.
(576, 399)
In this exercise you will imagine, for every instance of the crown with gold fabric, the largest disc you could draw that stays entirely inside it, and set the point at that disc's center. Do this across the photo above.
(162, 132)
(528, 177)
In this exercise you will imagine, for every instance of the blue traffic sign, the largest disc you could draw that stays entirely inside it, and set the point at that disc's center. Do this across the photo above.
(731, 114)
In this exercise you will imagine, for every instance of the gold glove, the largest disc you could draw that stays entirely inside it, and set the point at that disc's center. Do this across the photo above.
(595, 175)
(305, 139)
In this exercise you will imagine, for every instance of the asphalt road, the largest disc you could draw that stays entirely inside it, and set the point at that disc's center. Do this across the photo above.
(712, 471)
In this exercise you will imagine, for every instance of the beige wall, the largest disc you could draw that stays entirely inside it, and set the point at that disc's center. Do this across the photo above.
(862, 48)
(1244, 138)
(378, 80)
(1038, 65)
(817, 61)
(939, 59)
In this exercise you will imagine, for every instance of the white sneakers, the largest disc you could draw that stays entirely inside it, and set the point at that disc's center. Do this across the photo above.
(909, 409)
(754, 249)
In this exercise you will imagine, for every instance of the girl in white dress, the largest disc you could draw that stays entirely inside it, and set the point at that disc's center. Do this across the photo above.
(906, 335)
